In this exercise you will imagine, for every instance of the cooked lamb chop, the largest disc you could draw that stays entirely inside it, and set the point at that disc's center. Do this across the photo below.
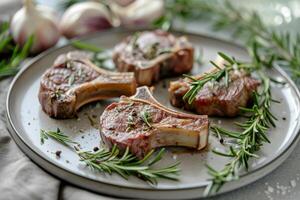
(74, 81)
(153, 55)
(216, 99)
(142, 124)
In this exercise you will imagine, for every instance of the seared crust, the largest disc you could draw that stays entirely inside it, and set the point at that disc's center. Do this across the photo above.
(74, 81)
(168, 127)
(216, 99)
(154, 55)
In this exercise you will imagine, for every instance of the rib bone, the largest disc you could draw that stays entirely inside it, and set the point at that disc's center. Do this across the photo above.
(122, 124)
(74, 81)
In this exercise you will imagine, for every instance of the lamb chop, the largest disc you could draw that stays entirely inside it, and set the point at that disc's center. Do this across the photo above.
(74, 81)
(142, 124)
(152, 55)
(216, 98)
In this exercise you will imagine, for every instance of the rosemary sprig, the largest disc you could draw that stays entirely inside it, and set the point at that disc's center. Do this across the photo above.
(127, 164)
(56, 135)
(248, 141)
(113, 161)
(272, 46)
(99, 55)
(222, 72)
(11, 55)
(86, 46)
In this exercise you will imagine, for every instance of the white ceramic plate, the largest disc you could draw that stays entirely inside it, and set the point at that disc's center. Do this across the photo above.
(26, 119)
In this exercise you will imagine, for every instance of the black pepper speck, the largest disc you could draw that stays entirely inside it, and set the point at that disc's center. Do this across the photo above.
(58, 153)
(95, 149)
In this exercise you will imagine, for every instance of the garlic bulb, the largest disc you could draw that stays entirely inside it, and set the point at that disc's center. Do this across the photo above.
(86, 17)
(140, 12)
(37, 21)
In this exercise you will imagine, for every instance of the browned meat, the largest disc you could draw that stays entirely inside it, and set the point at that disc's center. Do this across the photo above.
(216, 99)
(153, 55)
(74, 81)
(124, 124)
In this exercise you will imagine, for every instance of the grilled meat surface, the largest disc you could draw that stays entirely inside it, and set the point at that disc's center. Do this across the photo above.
(215, 98)
(74, 81)
(152, 55)
(142, 124)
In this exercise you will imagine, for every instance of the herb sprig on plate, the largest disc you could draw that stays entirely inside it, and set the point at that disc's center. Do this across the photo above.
(56, 135)
(100, 56)
(114, 161)
(272, 45)
(249, 140)
(252, 134)
(126, 164)
(221, 72)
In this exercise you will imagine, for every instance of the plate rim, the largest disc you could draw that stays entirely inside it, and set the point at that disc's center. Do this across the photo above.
(118, 30)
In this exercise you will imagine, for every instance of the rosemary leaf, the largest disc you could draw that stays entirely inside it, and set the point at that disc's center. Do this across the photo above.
(128, 165)
(85, 46)
(249, 140)
(145, 116)
(99, 55)
(113, 161)
(266, 45)
(56, 135)
(11, 55)
(222, 72)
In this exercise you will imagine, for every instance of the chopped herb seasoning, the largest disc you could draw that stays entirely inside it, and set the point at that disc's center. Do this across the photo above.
(134, 39)
(145, 116)
(92, 121)
(71, 79)
(130, 123)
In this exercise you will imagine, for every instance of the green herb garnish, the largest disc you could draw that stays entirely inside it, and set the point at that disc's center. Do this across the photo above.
(127, 164)
(130, 123)
(71, 79)
(222, 72)
(99, 55)
(272, 45)
(56, 135)
(86, 46)
(134, 40)
(146, 117)
(11, 55)
(248, 141)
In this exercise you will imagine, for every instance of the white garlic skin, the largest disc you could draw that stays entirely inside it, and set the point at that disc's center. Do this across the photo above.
(38, 21)
(139, 12)
(124, 2)
(83, 18)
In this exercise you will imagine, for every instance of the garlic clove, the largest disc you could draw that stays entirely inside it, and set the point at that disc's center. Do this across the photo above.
(48, 13)
(86, 17)
(36, 21)
(140, 12)
(124, 2)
